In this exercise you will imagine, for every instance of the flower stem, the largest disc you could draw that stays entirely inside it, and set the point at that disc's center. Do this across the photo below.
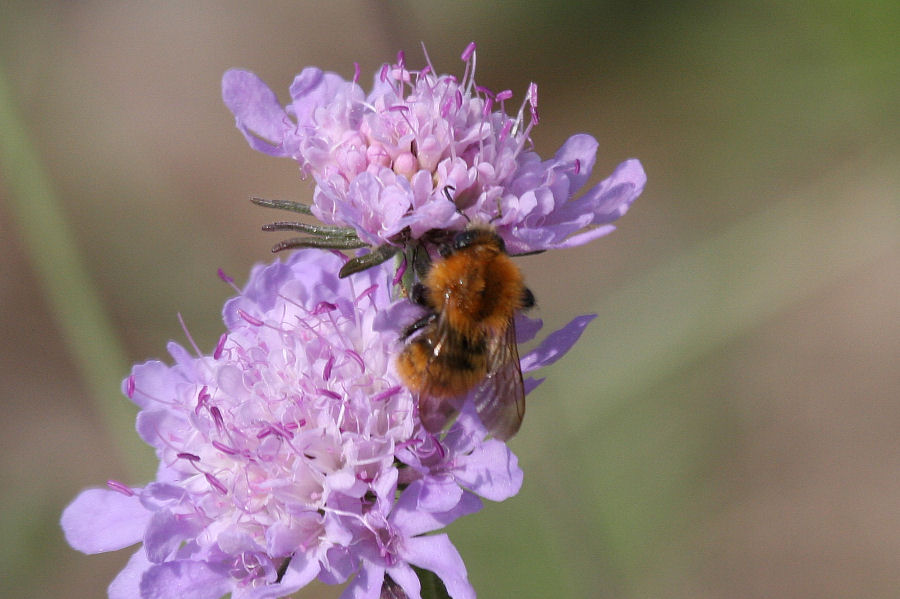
(432, 587)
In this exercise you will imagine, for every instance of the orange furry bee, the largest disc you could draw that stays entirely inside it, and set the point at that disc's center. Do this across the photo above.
(468, 338)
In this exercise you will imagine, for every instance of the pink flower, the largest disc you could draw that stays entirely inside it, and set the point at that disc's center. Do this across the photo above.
(281, 451)
(388, 163)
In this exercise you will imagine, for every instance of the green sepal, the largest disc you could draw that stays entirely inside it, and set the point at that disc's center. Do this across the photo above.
(320, 230)
(378, 255)
(321, 243)
(283, 205)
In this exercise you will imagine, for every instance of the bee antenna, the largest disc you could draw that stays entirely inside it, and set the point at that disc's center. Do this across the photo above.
(499, 213)
(447, 189)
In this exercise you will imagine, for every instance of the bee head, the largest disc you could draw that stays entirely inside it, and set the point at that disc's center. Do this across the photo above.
(478, 234)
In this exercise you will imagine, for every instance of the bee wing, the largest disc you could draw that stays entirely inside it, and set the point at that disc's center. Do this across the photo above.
(434, 409)
(500, 397)
(434, 412)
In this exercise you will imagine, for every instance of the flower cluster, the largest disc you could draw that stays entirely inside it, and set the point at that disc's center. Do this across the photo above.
(386, 163)
(293, 452)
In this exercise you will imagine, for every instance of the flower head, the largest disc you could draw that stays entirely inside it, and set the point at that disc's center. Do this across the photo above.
(423, 152)
(292, 451)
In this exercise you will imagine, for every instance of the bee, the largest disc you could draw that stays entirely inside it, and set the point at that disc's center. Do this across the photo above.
(467, 340)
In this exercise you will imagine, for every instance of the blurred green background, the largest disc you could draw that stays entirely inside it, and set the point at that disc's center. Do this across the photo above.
(728, 425)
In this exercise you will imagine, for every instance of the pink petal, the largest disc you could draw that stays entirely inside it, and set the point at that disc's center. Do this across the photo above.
(411, 520)
(101, 520)
(256, 110)
(439, 494)
(312, 88)
(366, 584)
(407, 579)
(491, 471)
(165, 533)
(300, 572)
(556, 344)
(185, 580)
(437, 553)
(611, 198)
(127, 583)
(582, 238)
(582, 148)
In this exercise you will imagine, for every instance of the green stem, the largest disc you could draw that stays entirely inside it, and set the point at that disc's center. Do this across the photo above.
(66, 284)
(432, 587)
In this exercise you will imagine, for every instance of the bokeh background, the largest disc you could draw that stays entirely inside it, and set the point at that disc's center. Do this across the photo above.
(728, 425)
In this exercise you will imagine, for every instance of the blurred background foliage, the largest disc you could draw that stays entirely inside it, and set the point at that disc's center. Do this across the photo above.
(728, 425)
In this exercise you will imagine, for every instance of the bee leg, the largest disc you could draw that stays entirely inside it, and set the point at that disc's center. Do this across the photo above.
(419, 324)
(421, 261)
(419, 295)
(528, 300)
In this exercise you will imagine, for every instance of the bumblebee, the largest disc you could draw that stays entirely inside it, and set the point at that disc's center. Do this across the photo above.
(467, 340)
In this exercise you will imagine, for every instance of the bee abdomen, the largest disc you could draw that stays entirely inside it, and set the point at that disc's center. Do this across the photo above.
(449, 372)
